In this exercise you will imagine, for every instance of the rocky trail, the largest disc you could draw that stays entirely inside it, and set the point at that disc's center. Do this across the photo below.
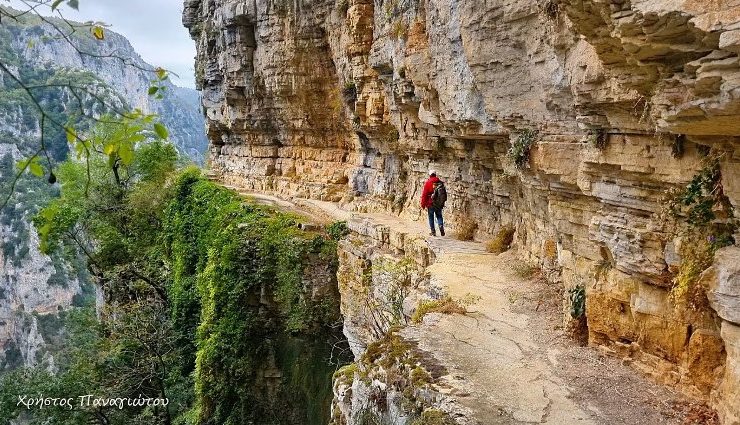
(508, 360)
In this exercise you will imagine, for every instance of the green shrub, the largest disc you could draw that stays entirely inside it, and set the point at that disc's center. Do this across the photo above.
(342, 7)
(433, 417)
(599, 138)
(337, 230)
(349, 92)
(577, 298)
(705, 221)
(525, 271)
(677, 147)
(465, 229)
(445, 305)
(519, 150)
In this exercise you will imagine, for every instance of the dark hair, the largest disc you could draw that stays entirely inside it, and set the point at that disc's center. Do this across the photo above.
(433, 175)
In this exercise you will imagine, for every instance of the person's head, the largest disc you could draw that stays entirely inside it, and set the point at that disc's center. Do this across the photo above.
(432, 173)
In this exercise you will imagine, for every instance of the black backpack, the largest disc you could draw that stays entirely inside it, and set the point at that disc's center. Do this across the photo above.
(439, 195)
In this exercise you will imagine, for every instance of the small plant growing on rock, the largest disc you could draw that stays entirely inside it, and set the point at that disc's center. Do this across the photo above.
(697, 253)
(399, 29)
(337, 230)
(345, 374)
(599, 138)
(434, 417)
(445, 305)
(392, 9)
(551, 9)
(342, 7)
(525, 271)
(677, 147)
(703, 217)
(391, 136)
(702, 201)
(349, 92)
(397, 280)
(577, 298)
(518, 152)
(367, 417)
(578, 327)
(502, 241)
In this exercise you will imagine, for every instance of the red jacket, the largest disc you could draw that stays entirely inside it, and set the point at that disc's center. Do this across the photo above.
(426, 194)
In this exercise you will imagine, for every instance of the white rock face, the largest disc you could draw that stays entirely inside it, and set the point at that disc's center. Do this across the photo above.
(724, 289)
(26, 291)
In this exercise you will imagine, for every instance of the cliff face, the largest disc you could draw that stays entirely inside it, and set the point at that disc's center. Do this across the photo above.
(34, 287)
(354, 100)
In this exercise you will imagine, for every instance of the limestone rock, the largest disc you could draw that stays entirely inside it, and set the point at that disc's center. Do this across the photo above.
(723, 280)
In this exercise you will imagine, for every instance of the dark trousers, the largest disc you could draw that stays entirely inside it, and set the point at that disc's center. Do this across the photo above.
(432, 211)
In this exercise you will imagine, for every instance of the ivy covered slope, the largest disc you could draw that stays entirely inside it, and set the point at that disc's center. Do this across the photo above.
(253, 299)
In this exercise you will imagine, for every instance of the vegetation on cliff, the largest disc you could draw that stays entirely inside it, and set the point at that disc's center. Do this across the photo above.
(210, 301)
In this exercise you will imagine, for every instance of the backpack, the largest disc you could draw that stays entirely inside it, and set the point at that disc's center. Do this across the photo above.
(439, 195)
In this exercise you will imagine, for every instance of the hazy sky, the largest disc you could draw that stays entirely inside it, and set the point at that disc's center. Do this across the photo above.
(154, 28)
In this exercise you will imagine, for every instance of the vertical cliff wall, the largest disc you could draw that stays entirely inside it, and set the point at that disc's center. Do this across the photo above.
(624, 102)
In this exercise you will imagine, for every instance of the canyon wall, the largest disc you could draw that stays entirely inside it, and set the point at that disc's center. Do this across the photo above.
(625, 101)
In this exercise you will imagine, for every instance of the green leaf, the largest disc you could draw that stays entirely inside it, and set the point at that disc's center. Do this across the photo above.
(74, 4)
(161, 131)
(56, 4)
(126, 152)
(98, 32)
(36, 169)
(161, 73)
(109, 148)
(71, 135)
(153, 90)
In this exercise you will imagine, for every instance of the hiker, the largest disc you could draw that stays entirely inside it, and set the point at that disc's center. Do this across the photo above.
(433, 198)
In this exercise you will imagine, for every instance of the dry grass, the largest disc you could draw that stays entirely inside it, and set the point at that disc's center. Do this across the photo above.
(502, 241)
(444, 305)
(525, 271)
(465, 229)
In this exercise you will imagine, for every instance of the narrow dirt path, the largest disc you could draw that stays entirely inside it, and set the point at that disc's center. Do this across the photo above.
(516, 364)
(508, 359)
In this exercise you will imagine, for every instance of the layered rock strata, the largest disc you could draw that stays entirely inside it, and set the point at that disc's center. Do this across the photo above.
(354, 100)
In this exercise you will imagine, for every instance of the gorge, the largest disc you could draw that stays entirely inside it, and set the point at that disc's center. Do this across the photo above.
(278, 269)
(36, 288)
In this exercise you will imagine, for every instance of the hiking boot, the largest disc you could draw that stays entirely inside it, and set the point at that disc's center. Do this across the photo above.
(441, 230)
(432, 234)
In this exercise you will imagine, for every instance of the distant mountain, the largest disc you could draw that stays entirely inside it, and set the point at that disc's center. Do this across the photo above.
(36, 289)
(40, 47)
